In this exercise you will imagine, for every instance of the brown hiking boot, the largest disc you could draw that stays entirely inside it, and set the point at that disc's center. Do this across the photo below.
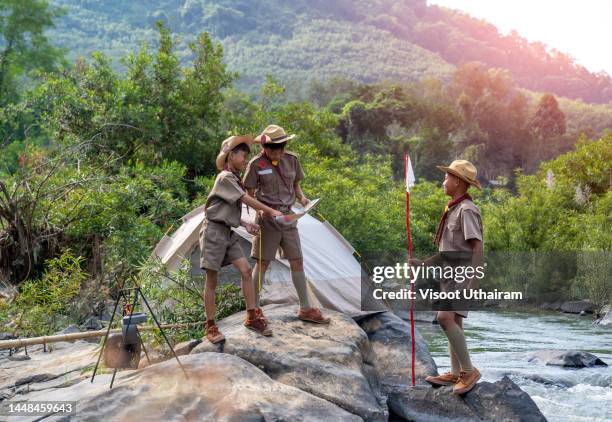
(445, 379)
(257, 325)
(312, 315)
(466, 382)
(259, 314)
(213, 334)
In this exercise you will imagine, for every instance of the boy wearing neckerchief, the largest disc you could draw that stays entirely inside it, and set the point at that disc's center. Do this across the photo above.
(219, 243)
(459, 235)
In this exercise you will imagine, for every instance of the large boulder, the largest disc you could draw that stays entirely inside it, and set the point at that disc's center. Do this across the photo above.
(391, 342)
(333, 362)
(578, 306)
(389, 336)
(552, 306)
(498, 401)
(566, 358)
(220, 387)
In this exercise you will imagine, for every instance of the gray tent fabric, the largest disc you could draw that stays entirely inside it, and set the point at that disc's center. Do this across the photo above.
(332, 272)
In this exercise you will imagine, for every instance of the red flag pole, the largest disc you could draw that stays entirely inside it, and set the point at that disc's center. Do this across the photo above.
(412, 342)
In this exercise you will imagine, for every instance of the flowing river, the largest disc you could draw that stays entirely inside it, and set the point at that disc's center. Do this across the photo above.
(500, 343)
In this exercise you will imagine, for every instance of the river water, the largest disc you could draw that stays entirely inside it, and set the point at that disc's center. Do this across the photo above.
(500, 343)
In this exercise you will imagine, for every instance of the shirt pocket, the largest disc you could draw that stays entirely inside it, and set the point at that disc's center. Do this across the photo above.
(269, 184)
(454, 227)
(290, 177)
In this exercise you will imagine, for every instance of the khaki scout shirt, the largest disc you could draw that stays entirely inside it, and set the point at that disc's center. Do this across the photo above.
(270, 188)
(463, 223)
(223, 204)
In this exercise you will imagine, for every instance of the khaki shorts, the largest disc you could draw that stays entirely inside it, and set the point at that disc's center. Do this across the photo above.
(458, 307)
(219, 246)
(275, 235)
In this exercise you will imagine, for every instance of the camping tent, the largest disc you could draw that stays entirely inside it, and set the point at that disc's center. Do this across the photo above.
(332, 272)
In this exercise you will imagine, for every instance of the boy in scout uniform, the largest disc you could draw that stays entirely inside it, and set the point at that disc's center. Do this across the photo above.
(219, 243)
(458, 236)
(274, 177)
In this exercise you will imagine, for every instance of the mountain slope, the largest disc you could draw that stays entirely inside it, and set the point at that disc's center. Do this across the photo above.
(365, 40)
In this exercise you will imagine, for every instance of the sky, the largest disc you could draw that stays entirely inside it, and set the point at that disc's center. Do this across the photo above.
(582, 29)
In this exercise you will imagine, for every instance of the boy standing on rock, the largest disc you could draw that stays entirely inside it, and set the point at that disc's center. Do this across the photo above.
(274, 177)
(459, 233)
(219, 243)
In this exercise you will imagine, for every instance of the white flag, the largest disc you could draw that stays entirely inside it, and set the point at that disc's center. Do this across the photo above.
(408, 172)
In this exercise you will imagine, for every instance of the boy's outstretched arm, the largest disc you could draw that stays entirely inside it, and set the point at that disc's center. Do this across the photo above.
(254, 203)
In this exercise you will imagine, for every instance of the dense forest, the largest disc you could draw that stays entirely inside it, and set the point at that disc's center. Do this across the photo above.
(98, 161)
(367, 41)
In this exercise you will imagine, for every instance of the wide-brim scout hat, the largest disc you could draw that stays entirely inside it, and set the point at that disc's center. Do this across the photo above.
(228, 145)
(464, 170)
(273, 134)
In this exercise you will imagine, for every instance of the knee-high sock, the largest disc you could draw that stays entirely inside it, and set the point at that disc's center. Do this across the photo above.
(455, 365)
(255, 277)
(299, 282)
(456, 338)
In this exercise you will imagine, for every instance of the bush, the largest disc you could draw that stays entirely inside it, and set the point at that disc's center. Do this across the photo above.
(46, 305)
(593, 281)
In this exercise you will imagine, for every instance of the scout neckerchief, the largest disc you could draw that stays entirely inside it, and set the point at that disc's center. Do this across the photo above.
(278, 170)
(447, 209)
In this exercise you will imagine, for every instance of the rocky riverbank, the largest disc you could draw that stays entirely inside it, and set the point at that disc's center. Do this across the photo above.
(347, 371)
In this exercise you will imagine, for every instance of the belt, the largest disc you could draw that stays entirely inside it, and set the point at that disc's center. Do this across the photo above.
(281, 208)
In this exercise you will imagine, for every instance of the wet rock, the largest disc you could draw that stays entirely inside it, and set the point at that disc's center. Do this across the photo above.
(578, 306)
(566, 358)
(333, 362)
(498, 401)
(551, 306)
(558, 382)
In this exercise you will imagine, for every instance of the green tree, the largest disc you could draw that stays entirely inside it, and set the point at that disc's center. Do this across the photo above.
(23, 44)
(158, 111)
(547, 125)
